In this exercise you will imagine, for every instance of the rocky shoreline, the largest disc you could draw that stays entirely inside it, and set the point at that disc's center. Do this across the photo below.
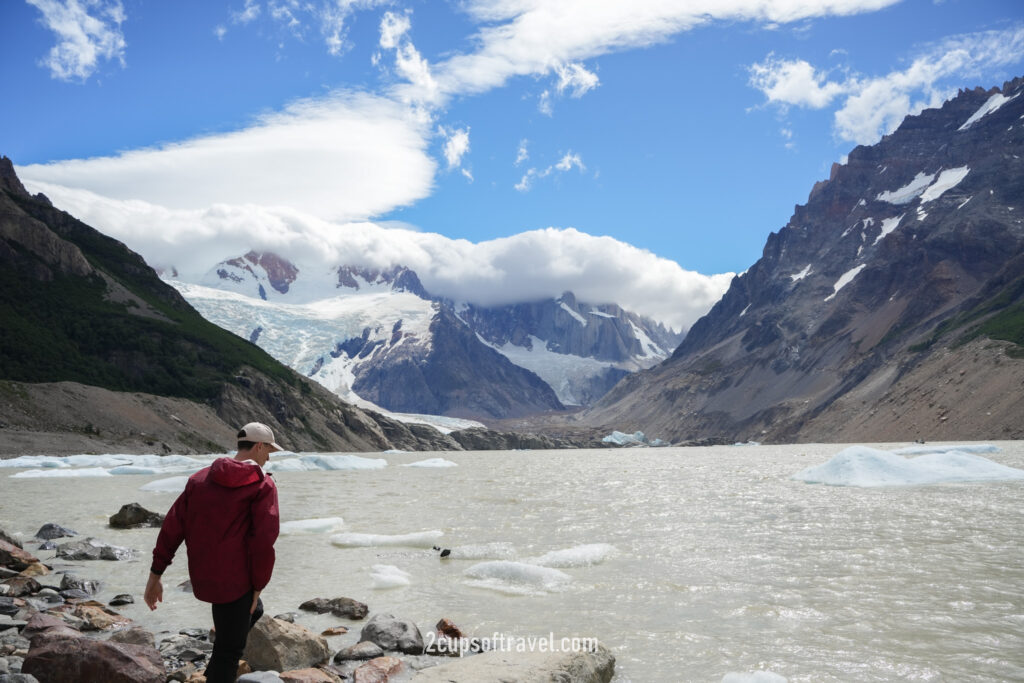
(53, 630)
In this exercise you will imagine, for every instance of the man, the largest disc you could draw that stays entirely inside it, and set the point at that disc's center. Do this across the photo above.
(228, 518)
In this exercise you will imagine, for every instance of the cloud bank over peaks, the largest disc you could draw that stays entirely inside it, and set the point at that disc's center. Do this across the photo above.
(348, 156)
(523, 267)
(88, 32)
(874, 106)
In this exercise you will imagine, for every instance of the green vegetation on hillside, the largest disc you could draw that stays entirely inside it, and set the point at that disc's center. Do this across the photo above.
(66, 330)
(1001, 317)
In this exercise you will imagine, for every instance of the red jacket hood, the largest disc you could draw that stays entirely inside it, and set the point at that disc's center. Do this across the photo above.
(234, 473)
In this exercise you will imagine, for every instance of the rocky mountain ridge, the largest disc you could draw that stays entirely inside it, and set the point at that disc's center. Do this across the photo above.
(908, 262)
(369, 334)
(97, 354)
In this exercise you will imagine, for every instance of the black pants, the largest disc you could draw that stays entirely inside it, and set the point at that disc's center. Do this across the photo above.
(232, 622)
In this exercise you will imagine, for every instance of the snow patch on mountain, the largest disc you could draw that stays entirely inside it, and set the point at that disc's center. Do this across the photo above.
(845, 279)
(908, 192)
(992, 104)
(947, 180)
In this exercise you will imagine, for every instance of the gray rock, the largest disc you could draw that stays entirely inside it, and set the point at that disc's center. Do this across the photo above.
(48, 545)
(133, 516)
(184, 648)
(259, 677)
(122, 599)
(136, 635)
(346, 608)
(93, 549)
(391, 633)
(279, 646)
(74, 594)
(363, 650)
(9, 607)
(18, 678)
(72, 582)
(48, 532)
(7, 621)
(503, 665)
(290, 617)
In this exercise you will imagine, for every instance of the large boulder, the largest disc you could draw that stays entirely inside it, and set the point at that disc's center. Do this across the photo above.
(93, 549)
(59, 654)
(19, 586)
(391, 633)
(13, 557)
(133, 516)
(279, 646)
(499, 666)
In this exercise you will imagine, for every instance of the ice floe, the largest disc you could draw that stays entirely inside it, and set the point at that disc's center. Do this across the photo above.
(310, 463)
(419, 539)
(389, 576)
(432, 462)
(516, 577)
(579, 556)
(320, 525)
(634, 439)
(62, 473)
(484, 551)
(168, 485)
(868, 467)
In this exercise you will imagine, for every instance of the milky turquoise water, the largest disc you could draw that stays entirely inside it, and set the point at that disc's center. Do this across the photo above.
(722, 563)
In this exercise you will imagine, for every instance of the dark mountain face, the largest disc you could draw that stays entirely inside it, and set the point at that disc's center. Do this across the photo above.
(909, 251)
(79, 307)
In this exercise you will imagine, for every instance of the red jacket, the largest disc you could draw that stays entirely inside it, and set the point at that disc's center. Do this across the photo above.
(229, 520)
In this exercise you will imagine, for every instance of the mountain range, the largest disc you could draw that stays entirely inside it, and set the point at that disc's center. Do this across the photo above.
(890, 307)
(378, 338)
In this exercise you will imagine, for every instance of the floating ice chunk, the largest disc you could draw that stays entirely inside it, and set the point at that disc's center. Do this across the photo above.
(389, 576)
(993, 103)
(961, 448)
(866, 467)
(908, 192)
(844, 279)
(432, 462)
(636, 438)
(34, 461)
(312, 526)
(516, 577)
(419, 539)
(63, 473)
(310, 463)
(168, 485)
(754, 677)
(579, 556)
(484, 551)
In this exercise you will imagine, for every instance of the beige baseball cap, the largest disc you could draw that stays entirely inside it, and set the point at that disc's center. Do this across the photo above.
(258, 432)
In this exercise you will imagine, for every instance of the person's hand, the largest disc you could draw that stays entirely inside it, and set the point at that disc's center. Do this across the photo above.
(255, 601)
(154, 591)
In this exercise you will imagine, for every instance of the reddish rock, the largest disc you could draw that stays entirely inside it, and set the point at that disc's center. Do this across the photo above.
(378, 670)
(36, 569)
(97, 618)
(448, 629)
(17, 586)
(13, 557)
(61, 655)
(307, 676)
(335, 631)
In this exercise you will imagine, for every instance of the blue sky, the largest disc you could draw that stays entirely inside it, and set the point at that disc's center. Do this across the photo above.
(505, 148)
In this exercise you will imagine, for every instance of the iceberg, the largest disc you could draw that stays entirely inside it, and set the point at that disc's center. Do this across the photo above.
(386, 576)
(516, 577)
(432, 462)
(168, 485)
(420, 539)
(63, 473)
(634, 439)
(868, 467)
(578, 556)
(312, 526)
(310, 463)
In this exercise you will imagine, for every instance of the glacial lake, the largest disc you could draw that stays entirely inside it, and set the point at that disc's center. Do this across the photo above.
(689, 564)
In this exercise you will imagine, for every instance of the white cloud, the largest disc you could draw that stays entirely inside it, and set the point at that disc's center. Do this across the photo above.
(343, 157)
(872, 107)
(467, 174)
(522, 154)
(576, 79)
(564, 164)
(793, 82)
(392, 28)
(220, 31)
(250, 12)
(544, 103)
(88, 31)
(523, 267)
(299, 17)
(456, 145)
